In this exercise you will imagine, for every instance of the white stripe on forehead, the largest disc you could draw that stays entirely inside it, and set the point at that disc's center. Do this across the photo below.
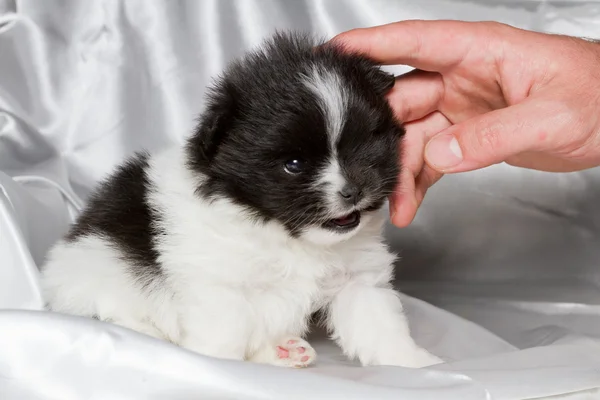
(333, 99)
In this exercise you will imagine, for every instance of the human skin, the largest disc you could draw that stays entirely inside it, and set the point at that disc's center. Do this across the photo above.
(483, 93)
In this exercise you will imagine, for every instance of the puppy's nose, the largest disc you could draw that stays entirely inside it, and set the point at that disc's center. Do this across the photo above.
(351, 193)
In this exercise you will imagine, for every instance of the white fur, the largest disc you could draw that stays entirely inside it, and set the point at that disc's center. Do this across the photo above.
(333, 181)
(328, 88)
(238, 289)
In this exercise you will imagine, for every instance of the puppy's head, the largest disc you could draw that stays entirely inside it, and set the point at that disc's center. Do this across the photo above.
(302, 135)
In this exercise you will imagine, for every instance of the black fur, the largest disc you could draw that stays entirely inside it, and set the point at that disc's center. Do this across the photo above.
(260, 114)
(119, 212)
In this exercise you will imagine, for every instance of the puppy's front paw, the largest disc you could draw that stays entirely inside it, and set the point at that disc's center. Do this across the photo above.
(414, 358)
(294, 352)
(421, 358)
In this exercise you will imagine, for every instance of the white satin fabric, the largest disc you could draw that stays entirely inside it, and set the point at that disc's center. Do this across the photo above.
(505, 262)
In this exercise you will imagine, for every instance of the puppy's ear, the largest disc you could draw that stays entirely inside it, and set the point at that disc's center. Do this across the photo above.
(213, 125)
(381, 81)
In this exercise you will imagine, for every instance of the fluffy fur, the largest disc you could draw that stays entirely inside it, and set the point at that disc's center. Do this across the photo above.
(269, 213)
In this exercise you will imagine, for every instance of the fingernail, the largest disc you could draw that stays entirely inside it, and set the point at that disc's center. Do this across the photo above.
(443, 152)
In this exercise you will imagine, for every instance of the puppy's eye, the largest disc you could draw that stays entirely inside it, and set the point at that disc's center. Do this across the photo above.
(294, 166)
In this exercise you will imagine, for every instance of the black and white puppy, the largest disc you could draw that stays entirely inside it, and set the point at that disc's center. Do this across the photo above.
(270, 212)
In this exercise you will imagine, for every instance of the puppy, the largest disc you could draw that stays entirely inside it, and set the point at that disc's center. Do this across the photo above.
(270, 212)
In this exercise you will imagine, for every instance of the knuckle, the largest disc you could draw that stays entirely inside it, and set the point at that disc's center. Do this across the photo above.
(403, 110)
(416, 45)
(487, 137)
(494, 25)
(496, 29)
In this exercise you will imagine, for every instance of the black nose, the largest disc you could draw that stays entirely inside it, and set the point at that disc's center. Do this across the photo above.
(351, 193)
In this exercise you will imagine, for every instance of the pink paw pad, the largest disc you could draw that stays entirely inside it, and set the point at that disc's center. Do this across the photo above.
(282, 353)
(296, 353)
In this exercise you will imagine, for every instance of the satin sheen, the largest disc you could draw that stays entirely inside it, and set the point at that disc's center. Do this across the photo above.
(500, 270)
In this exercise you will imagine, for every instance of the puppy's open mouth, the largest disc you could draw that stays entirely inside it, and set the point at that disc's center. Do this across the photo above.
(345, 223)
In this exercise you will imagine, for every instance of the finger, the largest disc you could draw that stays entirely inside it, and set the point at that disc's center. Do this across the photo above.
(418, 133)
(426, 179)
(497, 135)
(428, 176)
(416, 94)
(405, 201)
(428, 45)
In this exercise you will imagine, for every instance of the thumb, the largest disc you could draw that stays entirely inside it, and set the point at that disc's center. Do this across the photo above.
(493, 137)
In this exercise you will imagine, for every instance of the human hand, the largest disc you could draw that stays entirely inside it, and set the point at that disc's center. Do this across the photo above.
(484, 93)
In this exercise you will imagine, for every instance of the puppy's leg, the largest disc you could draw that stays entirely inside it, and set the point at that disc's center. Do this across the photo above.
(217, 323)
(145, 327)
(369, 324)
(288, 352)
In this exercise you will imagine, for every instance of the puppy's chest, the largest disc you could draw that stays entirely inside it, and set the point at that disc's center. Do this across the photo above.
(297, 274)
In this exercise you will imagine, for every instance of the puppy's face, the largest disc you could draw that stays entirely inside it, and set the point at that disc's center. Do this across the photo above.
(301, 136)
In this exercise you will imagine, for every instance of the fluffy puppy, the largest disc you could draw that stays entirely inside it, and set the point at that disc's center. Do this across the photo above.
(270, 212)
